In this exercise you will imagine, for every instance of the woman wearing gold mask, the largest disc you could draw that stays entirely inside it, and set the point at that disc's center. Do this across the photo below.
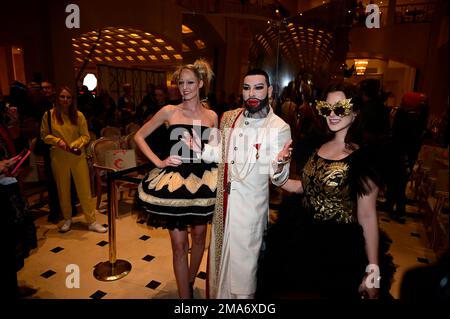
(339, 225)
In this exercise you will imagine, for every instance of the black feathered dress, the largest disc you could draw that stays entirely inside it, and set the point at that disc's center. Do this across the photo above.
(318, 248)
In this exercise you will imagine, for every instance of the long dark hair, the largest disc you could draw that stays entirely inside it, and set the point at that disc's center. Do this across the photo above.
(354, 134)
(73, 111)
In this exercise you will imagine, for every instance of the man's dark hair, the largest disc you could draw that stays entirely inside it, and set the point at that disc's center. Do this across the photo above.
(258, 72)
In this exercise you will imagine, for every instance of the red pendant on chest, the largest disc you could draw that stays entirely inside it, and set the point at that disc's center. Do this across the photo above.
(257, 146)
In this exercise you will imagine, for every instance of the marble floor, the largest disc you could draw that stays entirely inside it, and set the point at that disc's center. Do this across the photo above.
(51, 268)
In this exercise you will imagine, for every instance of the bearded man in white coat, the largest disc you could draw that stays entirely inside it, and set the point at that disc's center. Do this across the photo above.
(254, 148)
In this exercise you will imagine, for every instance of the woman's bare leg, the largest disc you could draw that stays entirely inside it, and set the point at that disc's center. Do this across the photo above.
(198, 237)
(180, 247)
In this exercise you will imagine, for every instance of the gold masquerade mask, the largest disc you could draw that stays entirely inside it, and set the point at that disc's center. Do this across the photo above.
(341, 108)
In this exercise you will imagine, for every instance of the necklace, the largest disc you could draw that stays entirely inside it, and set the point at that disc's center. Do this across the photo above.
(248, 164)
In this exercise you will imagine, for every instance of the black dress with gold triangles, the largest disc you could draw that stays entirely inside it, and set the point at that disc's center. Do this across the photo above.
(177, 197)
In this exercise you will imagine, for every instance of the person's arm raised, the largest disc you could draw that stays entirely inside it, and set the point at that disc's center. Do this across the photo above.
(211, 151)
(280, 155)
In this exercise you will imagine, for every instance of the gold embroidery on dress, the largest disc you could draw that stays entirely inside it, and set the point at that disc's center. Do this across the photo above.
(173, 180)
(174, 202)
(327, 190)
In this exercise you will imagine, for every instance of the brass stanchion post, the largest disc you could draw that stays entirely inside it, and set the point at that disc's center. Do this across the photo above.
(113, 269)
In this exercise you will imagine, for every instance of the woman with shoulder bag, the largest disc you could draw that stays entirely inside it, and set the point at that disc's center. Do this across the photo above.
(68, 137)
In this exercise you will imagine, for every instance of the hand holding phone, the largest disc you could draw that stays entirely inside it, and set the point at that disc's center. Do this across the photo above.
(16, 161)
(74, 150)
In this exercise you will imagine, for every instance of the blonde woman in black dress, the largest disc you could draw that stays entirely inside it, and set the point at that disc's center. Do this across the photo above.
(180, 192)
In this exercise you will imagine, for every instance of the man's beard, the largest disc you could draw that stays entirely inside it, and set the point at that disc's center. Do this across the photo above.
(256, 107)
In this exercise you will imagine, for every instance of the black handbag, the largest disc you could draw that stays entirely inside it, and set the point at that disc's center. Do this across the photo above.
(40, 147)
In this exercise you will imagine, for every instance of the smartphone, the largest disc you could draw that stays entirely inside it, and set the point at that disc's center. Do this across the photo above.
(18, 160)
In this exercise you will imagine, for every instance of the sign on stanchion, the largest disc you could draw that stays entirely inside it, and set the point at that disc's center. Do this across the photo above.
(114, 268)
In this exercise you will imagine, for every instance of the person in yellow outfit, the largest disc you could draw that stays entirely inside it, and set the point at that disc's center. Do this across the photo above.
(67, 133)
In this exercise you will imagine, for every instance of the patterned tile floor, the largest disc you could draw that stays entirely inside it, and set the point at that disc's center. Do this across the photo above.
(50, 267)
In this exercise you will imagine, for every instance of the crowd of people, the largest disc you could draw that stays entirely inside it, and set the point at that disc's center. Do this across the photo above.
(214, 162)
